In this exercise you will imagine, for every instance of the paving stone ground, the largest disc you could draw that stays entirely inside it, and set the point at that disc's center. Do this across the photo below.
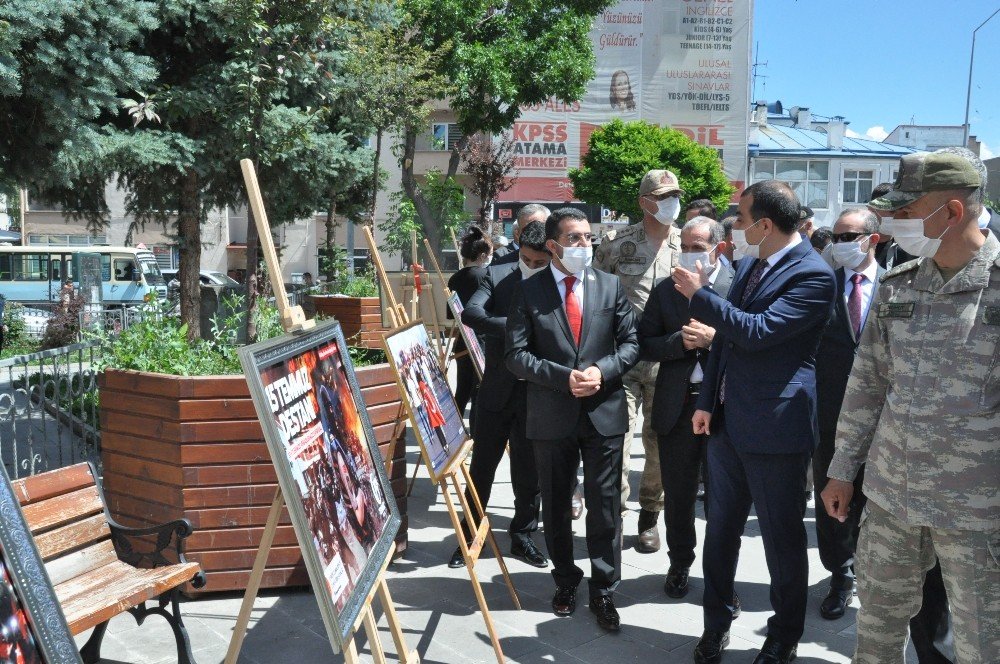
(439, 614)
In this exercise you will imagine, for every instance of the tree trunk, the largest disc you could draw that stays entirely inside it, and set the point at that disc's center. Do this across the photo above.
(374, 201)
(252, 289)
(432, 230)
(189, 237)
(330, 269)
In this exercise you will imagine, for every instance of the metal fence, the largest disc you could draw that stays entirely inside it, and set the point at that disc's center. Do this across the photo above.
(48, 410)
(110, 320)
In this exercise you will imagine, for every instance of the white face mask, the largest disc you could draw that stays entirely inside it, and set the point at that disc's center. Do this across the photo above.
(575, 259)
(742, 248)
(909, 235)
(668, 210)
(849, 254)
(689, 261)
(528, 271)
(486, 261)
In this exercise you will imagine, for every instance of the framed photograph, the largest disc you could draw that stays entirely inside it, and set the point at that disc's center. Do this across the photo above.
(468, 335)
(429, 401)
(33, 629)
(329, 466)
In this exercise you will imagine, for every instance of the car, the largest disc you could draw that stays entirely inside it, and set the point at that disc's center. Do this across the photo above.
(206, 277)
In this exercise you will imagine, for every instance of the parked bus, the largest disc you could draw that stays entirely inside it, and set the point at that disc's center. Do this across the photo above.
(36, 274)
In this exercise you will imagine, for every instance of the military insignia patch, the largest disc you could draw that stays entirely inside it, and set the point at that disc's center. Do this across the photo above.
(628, 249)
(895, 310)
(991, 315)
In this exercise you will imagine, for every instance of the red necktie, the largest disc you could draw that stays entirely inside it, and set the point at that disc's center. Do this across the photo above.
(573, 309)
(854, 303)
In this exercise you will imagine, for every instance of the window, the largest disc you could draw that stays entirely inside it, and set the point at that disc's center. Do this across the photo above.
(25, 267)
(444, 136)
(167, 256)
(124, 269)
(63, 240)
(810, 179)
(858, 185)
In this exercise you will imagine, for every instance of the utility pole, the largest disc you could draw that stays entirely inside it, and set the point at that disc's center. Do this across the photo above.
(968, 91)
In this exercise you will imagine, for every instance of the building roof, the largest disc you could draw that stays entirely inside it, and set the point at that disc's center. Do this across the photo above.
(778, 141)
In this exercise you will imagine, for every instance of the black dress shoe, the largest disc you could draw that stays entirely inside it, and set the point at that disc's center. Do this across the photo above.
(836, 603)
(603, 607)
(576, 507)
(710, 647)
(676, 585)
(457, 559)
(737, 606)
(776, 652)
(564, 601)
(527, 551)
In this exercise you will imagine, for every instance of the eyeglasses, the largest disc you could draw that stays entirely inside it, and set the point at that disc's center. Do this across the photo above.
(663, 197)
(847, 237)
(579, 237)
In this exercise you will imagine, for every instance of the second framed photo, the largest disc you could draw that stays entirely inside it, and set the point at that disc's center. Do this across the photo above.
(469, 337)
(433, 412)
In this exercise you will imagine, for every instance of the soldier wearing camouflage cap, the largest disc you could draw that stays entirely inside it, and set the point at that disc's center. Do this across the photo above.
(642, 255)
(922, 408)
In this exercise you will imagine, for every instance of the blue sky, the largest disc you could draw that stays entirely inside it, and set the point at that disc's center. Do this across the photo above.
(881, 63)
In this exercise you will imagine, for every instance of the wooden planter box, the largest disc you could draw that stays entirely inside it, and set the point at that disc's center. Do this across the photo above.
(359, 317)
(192, 447)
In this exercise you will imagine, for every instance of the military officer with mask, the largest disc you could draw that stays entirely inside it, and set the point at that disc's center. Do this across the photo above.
(642, 255)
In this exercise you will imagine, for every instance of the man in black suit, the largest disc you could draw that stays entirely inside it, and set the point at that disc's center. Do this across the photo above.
(571, 336)
(669, 335)
(857, 275)
(527, 214)
(758, 404)
(501, 403)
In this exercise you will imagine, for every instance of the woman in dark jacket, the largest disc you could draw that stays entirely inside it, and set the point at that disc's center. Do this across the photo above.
(477, 252)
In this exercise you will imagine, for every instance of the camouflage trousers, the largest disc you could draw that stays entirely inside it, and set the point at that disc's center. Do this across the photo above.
(892, 559)
(640, 383)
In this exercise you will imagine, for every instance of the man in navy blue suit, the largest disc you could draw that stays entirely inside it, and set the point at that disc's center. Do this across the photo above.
(758, 406)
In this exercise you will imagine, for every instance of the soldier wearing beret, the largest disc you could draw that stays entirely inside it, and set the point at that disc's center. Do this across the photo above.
(922, 410)
(642, 255)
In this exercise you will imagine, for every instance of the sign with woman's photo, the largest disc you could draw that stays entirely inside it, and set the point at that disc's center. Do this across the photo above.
(428, 397)
(328, 464)
(33, 629)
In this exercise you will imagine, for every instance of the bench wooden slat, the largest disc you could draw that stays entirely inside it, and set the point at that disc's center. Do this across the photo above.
(74, 536)
(52, 483)
(79, 563)
(63, 509)
(113, 588)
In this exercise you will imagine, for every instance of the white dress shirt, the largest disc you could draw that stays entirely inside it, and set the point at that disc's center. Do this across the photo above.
(560, 277)
(773, 259)
(867, 288)
(698, 374)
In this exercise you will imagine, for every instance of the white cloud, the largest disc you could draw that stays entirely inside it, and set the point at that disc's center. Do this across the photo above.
(985, 152)
(877, 133)
(850, 133)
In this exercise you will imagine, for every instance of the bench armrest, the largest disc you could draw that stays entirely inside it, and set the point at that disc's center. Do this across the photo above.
(169, 535)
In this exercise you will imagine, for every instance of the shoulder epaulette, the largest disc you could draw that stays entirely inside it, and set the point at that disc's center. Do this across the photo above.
(900, 269)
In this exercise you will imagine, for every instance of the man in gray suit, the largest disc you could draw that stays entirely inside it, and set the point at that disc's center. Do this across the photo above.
(668, 335)
(571, 336)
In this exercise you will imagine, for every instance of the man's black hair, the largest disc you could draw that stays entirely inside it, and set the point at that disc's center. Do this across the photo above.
(705, 208)
(552, 231)
(533, 236)
(775, 200)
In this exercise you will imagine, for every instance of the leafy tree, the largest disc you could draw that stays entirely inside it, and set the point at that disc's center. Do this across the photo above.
(64, 64)
(621, 153)
(490, 162)
(497, 57)
(443, 196)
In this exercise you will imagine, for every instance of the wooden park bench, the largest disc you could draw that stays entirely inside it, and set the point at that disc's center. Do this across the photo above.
(100, 568)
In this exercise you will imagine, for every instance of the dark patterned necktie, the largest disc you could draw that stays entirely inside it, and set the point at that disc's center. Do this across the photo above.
(756, 274)
(854, 303)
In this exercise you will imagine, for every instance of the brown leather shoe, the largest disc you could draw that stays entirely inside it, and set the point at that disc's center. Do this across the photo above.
(649, 534)
(577, 506)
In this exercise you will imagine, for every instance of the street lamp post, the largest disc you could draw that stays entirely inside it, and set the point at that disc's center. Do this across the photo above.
(968, 91)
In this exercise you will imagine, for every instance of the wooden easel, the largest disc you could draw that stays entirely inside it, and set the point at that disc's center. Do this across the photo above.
(292, 320)
(455, 477)
(448, 343)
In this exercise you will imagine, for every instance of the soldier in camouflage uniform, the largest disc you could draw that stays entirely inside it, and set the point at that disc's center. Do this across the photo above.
(923, 410)
(642, 255)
